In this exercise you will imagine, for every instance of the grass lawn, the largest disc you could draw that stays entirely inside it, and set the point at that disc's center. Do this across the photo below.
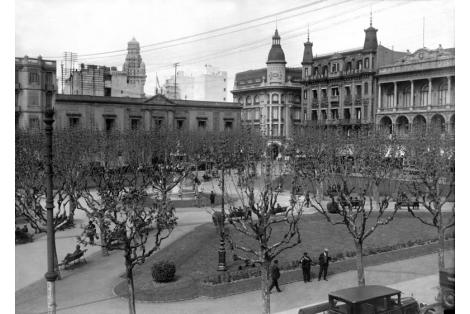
(195, 254)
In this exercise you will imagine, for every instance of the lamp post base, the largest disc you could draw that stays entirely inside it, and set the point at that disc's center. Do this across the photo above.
(222, 265)
(51, 305)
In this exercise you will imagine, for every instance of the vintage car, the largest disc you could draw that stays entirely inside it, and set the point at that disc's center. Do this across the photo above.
(370, 299)
(447, 283)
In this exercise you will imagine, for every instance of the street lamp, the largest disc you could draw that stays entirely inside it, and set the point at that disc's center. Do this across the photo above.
(51, 275)
(222, 265)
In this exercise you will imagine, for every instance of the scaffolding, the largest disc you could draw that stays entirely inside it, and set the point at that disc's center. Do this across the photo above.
(67, 66)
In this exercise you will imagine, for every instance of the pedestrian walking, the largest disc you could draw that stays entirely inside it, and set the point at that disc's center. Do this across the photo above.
(91, 232)
(323, 260)
(306, 262)
(275, 275)
(212, 199)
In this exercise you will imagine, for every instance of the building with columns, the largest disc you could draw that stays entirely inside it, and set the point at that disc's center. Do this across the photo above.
(35, 90)
(338, 89)
(270, 96)
(417, 92)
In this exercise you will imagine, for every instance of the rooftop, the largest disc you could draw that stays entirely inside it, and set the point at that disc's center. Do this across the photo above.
(361, 294)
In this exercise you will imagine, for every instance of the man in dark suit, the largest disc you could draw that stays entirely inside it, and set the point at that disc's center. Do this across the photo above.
(306, 261)
(323, 260)
(275, 274)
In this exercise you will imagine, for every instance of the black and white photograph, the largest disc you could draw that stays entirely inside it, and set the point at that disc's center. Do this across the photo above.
(234, 156)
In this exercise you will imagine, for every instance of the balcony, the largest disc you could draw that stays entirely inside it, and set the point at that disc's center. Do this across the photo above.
(334, 97)
(357, 101)
(324, 102)
(347, 100)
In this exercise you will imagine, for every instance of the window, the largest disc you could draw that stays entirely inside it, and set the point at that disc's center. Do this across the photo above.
(275, 113)
(423, 99)
(296, 114)
(225, 89)
(248, 101)
(110, 124)
(325, 70)
(334, 114)
(324, 116)
(407, 97)
(74, 122)
(315, 71)
(348, 67)
(305, 94)
(348, 91)
(49, 100)
(334, 91)
(366, 88)
(228, 124)
(201, 124)
(283, 99)
(314, 115)
(158, 123)
(315, 94)
(257, 114)
(34, 77)
(34, 123)
(179, 124)
(366, 63)
(323, 93)
(275, 99)
(256, 100)
(442, 94)
(358, 113)
(359, 65)
(358, 91)
(48, 77)
(335, 67)
(135, 124)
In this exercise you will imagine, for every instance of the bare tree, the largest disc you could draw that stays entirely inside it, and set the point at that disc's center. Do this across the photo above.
(352, 167)
(266, 228)
(431, 157)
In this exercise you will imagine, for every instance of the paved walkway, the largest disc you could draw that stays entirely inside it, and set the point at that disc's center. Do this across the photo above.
(80, 292)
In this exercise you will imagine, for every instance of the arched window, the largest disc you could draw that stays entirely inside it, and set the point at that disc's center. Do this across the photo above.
(389, 98)
(423, 95)
(442, 94)
(283, 98)
(366, 63)
(325, 70)
(359, 65)
(315, 71)
(275, 99)
(248, 101)
(348, 67)
(366, 88)
(256, 100)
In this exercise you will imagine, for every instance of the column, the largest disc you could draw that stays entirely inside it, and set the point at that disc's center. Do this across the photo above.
(270, 115)
(449, 94)
(287, 119)
(380, 97)
(412, 95)
(395, 100)
(279, 120)
(429, 93)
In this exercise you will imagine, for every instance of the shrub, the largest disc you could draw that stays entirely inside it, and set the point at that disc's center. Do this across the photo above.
(340, 255)
(163, 271)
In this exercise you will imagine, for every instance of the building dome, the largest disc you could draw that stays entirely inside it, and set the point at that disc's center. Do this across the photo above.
(276, 54)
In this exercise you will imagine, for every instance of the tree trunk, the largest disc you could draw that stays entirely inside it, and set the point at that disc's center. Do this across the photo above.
(375, 191)
(130, 286)
(440, 254)
(72, 207)
(265, 287)
(361, 280)
(104, 250)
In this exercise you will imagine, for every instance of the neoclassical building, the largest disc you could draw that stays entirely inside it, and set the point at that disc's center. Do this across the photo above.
(338, 89)
(270, 97)
(417, 92)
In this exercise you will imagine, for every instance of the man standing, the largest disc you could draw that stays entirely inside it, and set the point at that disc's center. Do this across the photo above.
(275, 274)
(212, 198)
(306, 261)
(323, 260)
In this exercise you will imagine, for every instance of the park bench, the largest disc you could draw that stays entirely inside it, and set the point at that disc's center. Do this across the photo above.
(73, 258)
(407, 203)
(239, 213)
(279, 210)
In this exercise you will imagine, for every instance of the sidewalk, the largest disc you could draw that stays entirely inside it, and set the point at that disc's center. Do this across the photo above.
(82, 293)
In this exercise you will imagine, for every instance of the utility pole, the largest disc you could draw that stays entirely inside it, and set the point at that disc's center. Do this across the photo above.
(176, 66)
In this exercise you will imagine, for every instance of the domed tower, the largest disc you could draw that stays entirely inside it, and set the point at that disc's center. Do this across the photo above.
(135, 69)
(307, 60)
(370, 42)
(276, 64)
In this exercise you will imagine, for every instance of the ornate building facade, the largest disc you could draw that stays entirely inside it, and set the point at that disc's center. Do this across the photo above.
(418, 92)
(134, 67)
(270, 97)
(35, 90)
(339, 88)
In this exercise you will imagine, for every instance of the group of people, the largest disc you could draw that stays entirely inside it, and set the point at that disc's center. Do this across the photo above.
(306, 263)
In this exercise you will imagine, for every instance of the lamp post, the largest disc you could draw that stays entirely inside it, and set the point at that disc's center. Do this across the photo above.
(51, 275)
(222, 265)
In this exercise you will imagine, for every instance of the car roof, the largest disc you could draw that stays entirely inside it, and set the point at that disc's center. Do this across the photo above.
(360, 294)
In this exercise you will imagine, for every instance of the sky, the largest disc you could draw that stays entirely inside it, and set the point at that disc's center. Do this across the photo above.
(103, 28)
